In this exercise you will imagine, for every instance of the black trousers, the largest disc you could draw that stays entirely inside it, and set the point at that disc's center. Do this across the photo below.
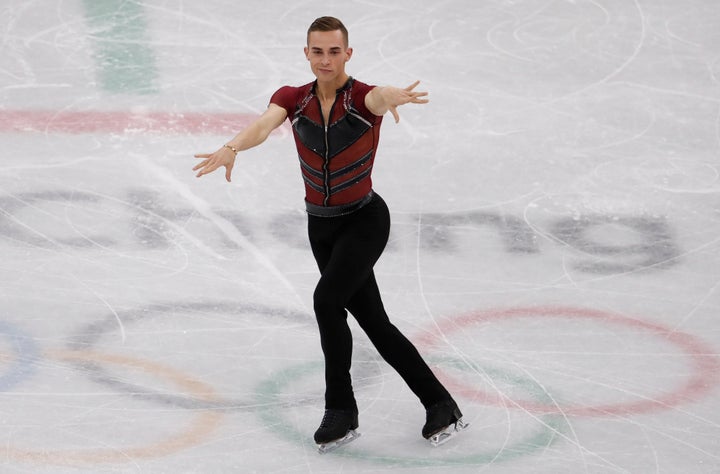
(346, 249)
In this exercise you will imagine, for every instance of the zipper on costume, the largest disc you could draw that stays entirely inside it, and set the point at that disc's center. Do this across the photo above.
(326, 165)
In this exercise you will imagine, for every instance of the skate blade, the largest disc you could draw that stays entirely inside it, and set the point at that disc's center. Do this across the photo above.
(333, 445)
(450, 431)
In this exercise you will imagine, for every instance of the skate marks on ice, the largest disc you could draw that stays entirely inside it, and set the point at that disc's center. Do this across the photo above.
(43, 434)
(623, 384)
(144, 382)
(184, 410)
(388, 428)
(559, 365)
(635, 242)
(538, 412)
(592, 367)
(251, 322)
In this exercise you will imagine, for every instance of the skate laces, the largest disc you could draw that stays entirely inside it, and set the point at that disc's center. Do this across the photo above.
(329, 418)
(334, 417)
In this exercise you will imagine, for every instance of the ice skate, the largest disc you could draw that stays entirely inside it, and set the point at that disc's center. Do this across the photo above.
(444, 420)
(336, 429)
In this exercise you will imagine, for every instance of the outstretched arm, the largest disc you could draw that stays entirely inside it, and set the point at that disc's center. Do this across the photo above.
(381, 99)
(256, 133)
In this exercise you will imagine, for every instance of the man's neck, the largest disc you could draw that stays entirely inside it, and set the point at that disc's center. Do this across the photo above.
(327, 90)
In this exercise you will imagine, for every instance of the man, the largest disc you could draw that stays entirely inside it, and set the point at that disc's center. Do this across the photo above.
(336, 123)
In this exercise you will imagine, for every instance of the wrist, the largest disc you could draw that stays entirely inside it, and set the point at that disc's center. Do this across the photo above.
(232, 149)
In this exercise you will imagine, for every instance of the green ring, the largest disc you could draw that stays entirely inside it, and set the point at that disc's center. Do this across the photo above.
(551, 424)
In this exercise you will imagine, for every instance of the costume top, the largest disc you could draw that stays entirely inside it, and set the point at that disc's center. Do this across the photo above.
(336, 158)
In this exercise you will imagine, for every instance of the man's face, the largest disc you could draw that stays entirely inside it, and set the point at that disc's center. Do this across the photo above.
(327, 54)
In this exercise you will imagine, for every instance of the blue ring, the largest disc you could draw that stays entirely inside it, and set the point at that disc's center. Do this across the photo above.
(26, 353)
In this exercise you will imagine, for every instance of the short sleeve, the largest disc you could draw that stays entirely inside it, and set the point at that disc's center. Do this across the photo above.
(360, 90)
(285, 98)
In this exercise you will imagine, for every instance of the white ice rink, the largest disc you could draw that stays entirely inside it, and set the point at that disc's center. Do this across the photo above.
(555, 250)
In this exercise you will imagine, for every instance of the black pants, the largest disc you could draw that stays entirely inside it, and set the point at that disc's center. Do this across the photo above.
(346, 249)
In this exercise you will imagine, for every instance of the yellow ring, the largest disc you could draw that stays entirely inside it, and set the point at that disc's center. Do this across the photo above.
(199, 429)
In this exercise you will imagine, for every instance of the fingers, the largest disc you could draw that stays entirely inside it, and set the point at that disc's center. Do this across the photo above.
(212, 161)
(412, 86)
(415, 97)
(206, 159)
(201, 164)
(208, 164)
(205, 168)
(394, 112)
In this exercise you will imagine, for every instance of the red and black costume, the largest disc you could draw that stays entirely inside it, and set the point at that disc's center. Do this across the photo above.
(336, 158)
(348, 227)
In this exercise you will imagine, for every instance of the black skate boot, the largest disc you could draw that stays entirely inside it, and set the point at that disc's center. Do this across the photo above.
(443, 421)
(336, 429)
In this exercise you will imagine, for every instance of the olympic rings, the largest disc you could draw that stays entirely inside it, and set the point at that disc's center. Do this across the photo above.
(92, 333)
(550, 425)
(271, 406)
(203, 424)
(705, 365)
(22, 363)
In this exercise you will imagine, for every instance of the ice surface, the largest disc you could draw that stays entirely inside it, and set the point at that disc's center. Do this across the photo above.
(555, 249)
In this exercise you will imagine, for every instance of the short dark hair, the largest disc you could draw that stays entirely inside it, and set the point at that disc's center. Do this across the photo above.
(329, 23)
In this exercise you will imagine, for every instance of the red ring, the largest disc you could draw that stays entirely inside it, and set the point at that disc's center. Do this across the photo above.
(701, 381)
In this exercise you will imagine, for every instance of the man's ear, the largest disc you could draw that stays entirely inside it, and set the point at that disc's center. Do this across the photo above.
(307, 53)
(348, 52)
